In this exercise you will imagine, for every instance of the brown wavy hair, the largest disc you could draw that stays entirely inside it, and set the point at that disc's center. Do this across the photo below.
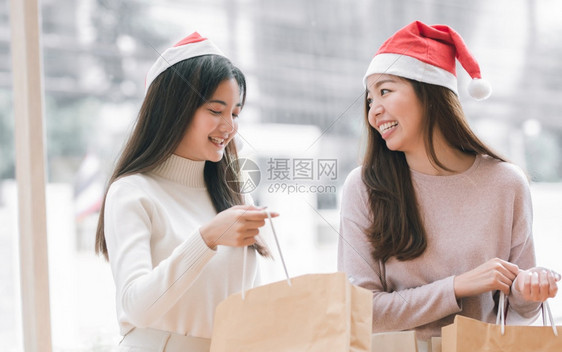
(165, 115)
(397, 228)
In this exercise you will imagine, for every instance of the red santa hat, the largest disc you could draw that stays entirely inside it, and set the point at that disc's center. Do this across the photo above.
(191, 46)
(427, 54)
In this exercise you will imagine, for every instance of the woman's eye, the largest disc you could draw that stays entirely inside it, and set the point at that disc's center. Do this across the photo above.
(215, 112)
(384, 91)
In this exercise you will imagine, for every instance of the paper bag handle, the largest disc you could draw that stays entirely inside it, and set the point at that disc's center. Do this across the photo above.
(280, 256)
(500, 319)
(545, 311)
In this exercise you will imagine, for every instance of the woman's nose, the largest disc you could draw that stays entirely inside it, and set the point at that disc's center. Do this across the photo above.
(375, 111)
(227, 124)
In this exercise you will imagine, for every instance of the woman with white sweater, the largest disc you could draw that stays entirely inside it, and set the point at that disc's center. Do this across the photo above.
(172, 227)
(434, 222)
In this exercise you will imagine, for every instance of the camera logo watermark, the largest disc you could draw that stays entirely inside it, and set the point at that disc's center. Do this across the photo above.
(248, 179)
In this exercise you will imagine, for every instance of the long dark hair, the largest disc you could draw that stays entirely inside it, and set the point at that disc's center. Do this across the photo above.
(397, 228)
(166, 113)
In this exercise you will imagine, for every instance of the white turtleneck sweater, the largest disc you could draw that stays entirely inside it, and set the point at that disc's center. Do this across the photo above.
(166, 277)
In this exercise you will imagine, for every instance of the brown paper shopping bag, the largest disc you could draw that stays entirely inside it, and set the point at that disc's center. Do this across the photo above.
(434, 344)
(468, 335)
(361, 319)
(399, 341)
(403, 341)
(315, 312)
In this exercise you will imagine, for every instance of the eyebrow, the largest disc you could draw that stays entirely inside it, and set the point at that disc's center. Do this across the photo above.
(378, 83)
(220, 102)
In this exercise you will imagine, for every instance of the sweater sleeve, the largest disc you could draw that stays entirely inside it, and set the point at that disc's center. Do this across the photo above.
(145, 292)
(522, 247)
(397, 310)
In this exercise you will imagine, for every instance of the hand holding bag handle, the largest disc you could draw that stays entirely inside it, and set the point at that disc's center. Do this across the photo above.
(280, 256)
(314, 312)
(502, 314)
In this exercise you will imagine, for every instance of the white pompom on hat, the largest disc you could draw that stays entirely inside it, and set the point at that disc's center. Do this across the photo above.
(427, 54)
(191, 46)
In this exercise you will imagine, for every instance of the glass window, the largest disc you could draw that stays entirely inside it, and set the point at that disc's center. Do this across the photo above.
(304, 62)
(10, 327)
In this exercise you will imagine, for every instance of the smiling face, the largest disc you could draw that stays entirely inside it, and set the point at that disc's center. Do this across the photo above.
(395, 112)
(214, 125)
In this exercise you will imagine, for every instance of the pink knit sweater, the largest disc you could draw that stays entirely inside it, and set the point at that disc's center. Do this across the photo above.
(482, 213)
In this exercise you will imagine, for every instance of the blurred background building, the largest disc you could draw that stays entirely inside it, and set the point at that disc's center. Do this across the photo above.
(304, 61)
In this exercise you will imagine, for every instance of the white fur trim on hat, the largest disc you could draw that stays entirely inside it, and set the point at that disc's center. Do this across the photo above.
(179, 53)
(412, 68)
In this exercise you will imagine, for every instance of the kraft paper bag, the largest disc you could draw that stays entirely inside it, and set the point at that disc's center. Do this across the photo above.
(316, 312)
(469, 335)
(434, 344)
(394, 341)
(361, 319)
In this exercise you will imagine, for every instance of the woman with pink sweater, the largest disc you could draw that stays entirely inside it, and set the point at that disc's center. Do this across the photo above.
(434, 222)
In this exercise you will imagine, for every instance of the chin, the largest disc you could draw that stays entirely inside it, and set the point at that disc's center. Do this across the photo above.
(390, 147)
(216, 158)
(395, 147)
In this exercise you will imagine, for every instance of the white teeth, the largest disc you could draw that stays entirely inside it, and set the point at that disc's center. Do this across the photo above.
(216, 140)
(388, 125)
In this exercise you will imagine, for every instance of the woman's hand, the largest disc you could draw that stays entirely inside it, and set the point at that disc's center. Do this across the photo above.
(537, 284)
(236, 227)
(495, 274)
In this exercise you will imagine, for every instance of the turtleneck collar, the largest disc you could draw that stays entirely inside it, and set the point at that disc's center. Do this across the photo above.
(183, 171)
